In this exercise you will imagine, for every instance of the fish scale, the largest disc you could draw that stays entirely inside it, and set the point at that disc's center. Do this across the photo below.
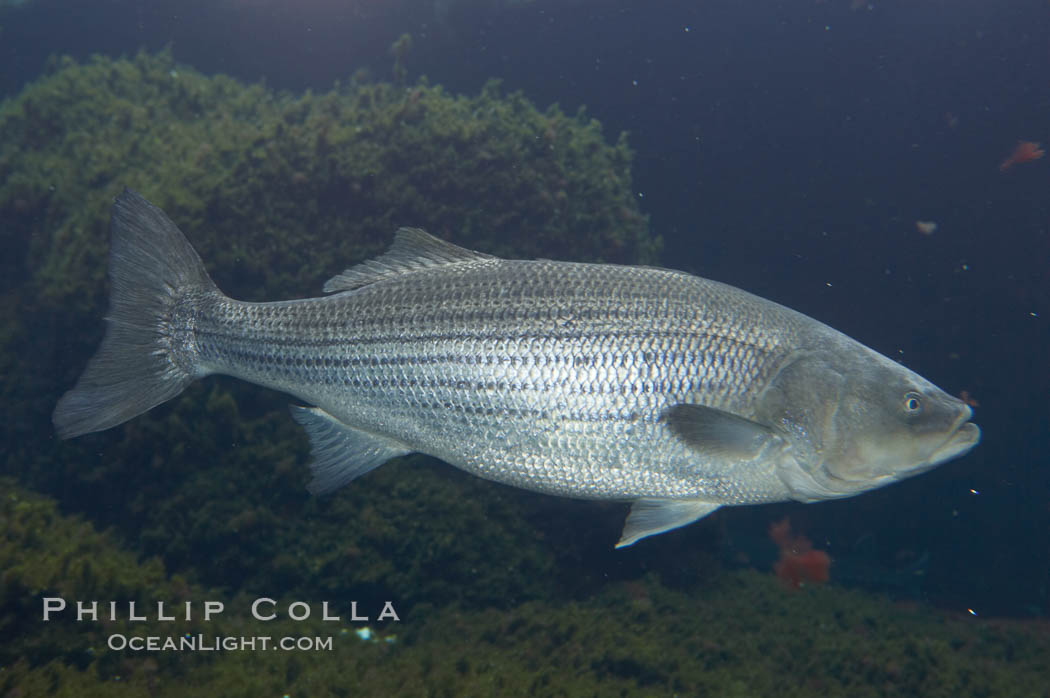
(676, 393)
(561, 369)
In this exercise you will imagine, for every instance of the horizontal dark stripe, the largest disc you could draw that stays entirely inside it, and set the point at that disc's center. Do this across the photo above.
(630, 343)
(627, 359)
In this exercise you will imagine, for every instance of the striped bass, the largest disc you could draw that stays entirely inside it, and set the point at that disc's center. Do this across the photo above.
(594, 381)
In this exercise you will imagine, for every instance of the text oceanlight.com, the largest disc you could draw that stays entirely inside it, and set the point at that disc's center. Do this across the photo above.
(215, 643)
(262, 609)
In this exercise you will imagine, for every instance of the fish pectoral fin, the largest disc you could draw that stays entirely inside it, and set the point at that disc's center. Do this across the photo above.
(651, 516)
(718, 433)
(413, 249)
(340, 452)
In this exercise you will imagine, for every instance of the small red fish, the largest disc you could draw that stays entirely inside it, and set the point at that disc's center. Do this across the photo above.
(1026, 151)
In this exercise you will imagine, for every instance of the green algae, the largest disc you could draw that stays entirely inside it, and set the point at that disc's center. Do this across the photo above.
(743, 634)
(278, 192)
(286, 190)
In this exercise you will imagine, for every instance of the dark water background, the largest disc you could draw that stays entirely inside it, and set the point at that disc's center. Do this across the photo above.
(784, 147)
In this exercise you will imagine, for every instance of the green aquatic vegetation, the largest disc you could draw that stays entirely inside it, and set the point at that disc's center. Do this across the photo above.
(739, 634)
(289, 189)
(278, 192)
(43, 553)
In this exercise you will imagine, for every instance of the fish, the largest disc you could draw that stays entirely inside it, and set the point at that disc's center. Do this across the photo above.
(671, 392)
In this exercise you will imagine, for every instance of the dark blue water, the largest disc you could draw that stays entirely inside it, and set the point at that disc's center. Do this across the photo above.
(784, 147)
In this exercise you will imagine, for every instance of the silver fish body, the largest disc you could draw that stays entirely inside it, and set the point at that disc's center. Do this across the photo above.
(545, 375)
(674, 392)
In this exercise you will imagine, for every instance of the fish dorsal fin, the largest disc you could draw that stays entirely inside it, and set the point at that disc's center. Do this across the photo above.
(413, 249)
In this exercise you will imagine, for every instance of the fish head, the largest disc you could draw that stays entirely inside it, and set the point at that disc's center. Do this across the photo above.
(858, 421)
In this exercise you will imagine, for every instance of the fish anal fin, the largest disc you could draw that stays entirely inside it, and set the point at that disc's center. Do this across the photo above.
(340, 452)
(413, 249)
(651, 516)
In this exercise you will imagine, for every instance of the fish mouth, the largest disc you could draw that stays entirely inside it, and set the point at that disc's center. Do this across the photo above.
(962, 440)
(964, 437)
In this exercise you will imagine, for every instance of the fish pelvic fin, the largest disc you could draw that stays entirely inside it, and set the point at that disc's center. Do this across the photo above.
(151, 267)
(651, 516)
(340, 452)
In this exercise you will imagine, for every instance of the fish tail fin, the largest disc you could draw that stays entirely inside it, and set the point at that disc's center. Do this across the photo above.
(152, 266)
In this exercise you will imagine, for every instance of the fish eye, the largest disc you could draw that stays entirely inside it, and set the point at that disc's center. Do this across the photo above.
(912, 403)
